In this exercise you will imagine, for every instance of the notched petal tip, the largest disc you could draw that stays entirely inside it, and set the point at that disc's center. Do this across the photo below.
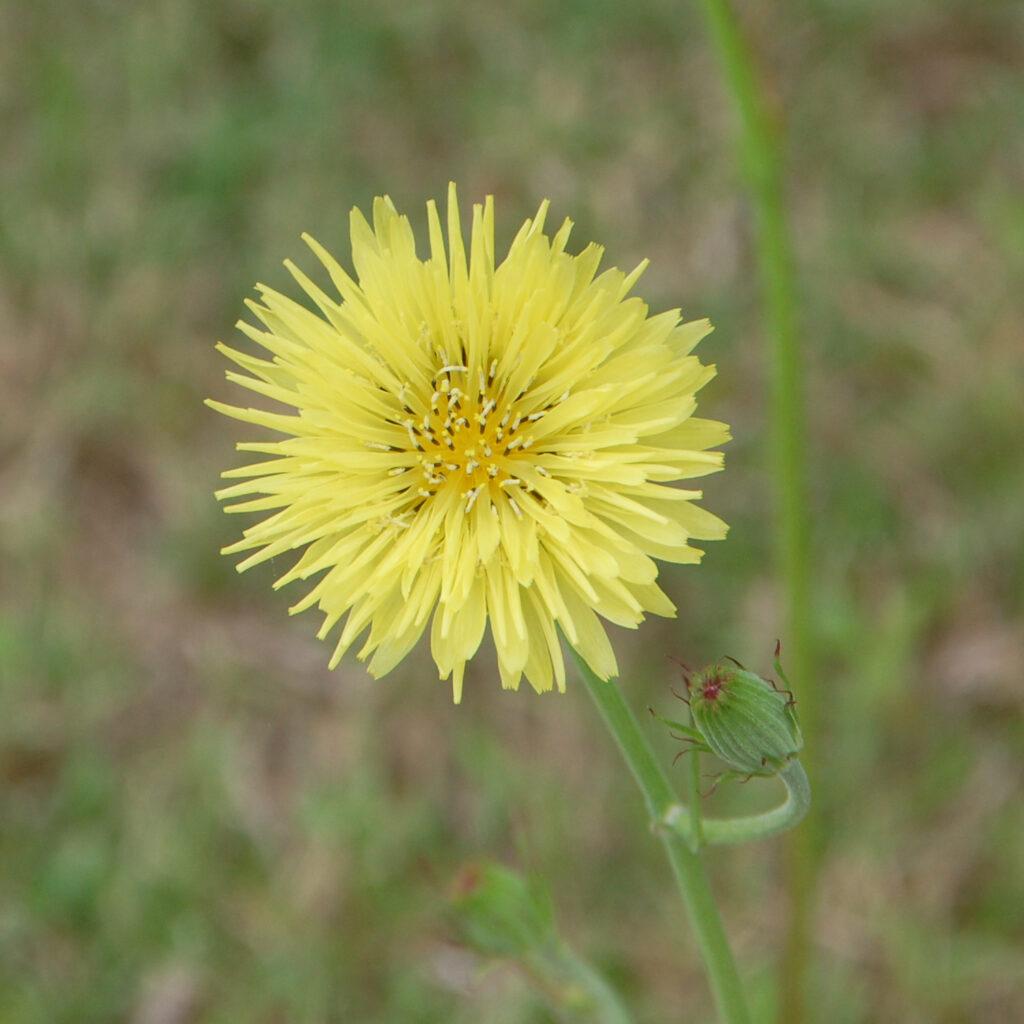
(457, 680)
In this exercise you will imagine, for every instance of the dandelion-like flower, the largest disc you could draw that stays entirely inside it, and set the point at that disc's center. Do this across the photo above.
(474, 444)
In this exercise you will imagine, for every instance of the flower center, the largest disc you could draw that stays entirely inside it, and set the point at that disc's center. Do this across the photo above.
(470, 437)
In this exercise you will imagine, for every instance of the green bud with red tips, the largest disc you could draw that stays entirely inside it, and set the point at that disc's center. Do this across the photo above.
(744, 719)
(500, 913)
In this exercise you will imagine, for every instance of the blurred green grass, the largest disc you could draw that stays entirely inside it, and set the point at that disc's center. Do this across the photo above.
(198, 821)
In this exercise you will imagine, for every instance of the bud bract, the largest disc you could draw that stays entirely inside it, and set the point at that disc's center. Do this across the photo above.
(744, 720)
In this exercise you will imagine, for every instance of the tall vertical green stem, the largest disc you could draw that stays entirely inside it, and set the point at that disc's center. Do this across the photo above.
(761, 156)
(687, 866)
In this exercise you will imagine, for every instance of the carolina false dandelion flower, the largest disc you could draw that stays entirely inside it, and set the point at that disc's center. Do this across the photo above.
(474, 443)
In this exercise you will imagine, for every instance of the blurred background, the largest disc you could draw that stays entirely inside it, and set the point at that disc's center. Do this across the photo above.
(199, 822)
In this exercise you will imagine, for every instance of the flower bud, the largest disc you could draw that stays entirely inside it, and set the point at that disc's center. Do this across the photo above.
(500, 913)
(744, 720)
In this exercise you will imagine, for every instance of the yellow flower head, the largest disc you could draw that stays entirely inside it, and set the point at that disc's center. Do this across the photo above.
(474, 443)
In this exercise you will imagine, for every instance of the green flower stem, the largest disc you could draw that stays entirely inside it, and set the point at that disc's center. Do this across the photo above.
(588, 993)
(659, 798)
(761, 156)
(721, 831)
(762, 164)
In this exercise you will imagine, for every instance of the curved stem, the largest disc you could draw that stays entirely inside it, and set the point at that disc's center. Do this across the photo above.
(721, 831)
(691, 878)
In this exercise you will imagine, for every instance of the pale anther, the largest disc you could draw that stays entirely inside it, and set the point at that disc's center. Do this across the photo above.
(472, 496)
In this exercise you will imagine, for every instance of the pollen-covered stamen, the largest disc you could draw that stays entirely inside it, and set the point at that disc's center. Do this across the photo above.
(470, 438)
(414, 435)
